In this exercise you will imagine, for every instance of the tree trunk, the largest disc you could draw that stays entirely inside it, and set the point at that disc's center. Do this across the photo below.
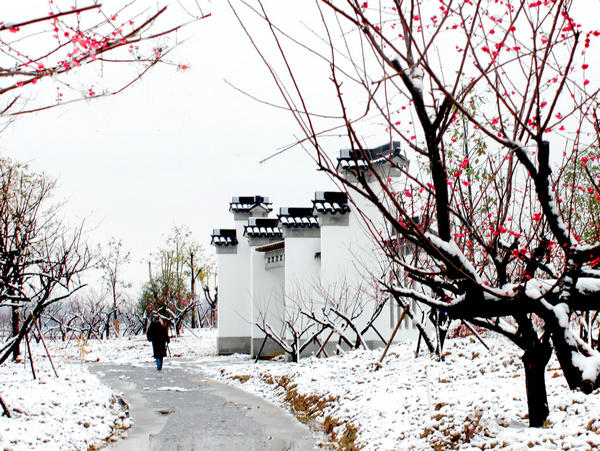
(535, 360)
(194, 319)
(15, 331)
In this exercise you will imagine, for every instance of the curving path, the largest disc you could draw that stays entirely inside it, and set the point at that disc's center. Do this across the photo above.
(180, 409)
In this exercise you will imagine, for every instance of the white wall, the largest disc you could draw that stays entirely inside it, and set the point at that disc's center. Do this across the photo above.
(267, 286)
(302, 272)
(351, 262)
(232, 319)
(235, 300)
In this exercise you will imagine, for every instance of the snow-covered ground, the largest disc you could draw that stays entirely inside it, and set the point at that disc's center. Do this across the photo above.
(406, 404)
(74, 411)
(424, 404)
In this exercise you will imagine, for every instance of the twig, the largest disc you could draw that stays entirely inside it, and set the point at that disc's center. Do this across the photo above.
(261, 348)
(475, 333)
(389, 343)
(322, 349)
(45, 347)
(30, 356)
(6, 411)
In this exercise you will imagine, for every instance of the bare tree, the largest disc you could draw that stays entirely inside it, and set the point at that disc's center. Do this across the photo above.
(212, 300)
(40, 258)
(491, 102)
(111, 260)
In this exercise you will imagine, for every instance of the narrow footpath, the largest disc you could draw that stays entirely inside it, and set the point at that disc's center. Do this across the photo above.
(180, 409)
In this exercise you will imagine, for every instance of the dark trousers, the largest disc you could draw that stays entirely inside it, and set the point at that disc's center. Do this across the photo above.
(159, 361)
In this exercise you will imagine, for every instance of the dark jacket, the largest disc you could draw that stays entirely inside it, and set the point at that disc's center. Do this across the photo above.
(159, 336)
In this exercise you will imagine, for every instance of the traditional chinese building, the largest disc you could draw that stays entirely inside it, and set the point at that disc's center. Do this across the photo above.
(305, 257)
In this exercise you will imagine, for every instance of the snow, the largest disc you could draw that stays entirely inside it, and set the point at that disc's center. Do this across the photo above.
(69, 412)
(451, 248)
(588, 365)
(588, 285)
(421, 403)
(408, 403)
(75, 411)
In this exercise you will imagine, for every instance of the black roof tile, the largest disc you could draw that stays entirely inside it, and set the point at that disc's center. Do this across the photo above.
(298, 217)
(224, 237)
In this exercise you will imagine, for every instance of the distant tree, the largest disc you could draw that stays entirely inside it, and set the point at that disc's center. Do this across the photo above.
(111, 259)
(497, 236)
(41, 258)
(167, 292)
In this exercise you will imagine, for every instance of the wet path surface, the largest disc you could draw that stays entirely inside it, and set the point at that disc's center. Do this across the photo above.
(180, 409)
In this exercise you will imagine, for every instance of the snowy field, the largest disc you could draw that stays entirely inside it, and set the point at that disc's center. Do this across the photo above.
(473, 400)
(74, 411)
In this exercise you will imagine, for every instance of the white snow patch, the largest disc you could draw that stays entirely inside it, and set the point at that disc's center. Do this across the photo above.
(398, 406)
(589, 366)
(588, 285)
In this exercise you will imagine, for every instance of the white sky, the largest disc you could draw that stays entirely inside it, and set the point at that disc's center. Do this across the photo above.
(174, 149)
(171, 150)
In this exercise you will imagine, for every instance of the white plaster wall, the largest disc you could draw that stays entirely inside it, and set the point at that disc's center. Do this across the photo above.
(386, 322)
(233, 317)
(302, 272)
(267, 287)
(348, 264)
(350, 257)
(234, 281)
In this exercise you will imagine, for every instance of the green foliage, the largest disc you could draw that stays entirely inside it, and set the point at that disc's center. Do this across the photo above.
(164, 294)
(181, 262)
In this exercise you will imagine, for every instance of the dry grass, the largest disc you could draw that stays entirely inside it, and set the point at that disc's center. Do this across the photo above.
(242, 378)
(309, 409)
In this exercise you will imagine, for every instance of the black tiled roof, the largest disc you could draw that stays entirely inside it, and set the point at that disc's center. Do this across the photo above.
(271, 247)
(331, 202)
(297, 217)
(356, 158)
(263, 227)
(243, 204)
(224, 237)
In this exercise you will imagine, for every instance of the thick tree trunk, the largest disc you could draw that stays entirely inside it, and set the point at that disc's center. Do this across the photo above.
(535, 360)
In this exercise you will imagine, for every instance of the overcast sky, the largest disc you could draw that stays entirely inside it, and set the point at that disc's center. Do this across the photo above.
(173, 149)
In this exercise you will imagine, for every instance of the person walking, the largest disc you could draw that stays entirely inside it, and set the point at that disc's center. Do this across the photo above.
(159, 336)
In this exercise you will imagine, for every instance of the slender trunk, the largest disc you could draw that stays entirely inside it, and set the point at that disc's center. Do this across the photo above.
(115, 321)
(535, 360)
(15, 331)
(194, 319)
(193, 290)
